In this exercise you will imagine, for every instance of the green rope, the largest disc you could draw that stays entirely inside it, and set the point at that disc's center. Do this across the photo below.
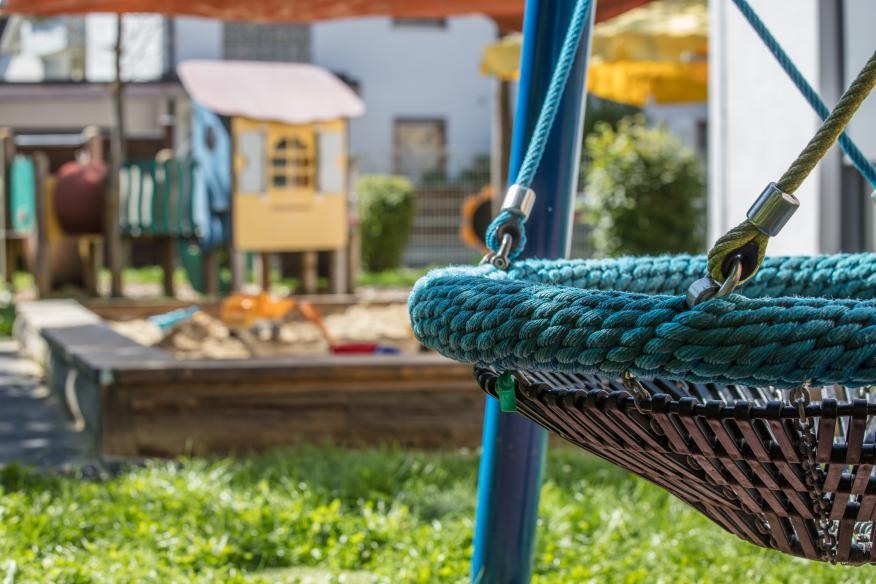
(745, 233)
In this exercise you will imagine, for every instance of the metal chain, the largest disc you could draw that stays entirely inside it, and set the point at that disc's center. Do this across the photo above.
(638, 391)
(800, 397)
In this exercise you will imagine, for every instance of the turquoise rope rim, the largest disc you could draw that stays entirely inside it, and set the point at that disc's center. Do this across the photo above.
(800, 319)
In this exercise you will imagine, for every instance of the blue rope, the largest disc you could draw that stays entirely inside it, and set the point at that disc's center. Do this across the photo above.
(556, 88)
(544, 124)
(804, 319)
(864, 166)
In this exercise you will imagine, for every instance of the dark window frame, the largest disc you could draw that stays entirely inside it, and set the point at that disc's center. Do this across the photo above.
(434, 23)
(441, 122)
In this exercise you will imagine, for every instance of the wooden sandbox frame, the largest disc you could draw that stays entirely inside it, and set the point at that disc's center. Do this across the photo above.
(140, 401)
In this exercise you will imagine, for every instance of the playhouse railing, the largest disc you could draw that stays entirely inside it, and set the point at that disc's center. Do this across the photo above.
(156, 199)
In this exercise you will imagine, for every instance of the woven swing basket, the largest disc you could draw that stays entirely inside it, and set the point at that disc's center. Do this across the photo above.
(731, 452)
(715, 424)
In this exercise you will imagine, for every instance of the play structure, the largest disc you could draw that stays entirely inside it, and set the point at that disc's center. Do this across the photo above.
(264, 177)
(270, 143)
(740, 384)
(53, 221)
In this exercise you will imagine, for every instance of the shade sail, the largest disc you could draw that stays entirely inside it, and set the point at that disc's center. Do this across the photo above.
(640, 82)
(664, 30)
(508, 13)
(295, 93)
(654, 52)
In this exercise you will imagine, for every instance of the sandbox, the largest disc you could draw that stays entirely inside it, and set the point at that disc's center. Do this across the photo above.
(141, 400)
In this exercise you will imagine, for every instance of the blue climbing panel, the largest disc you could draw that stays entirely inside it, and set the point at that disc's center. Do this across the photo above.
(22, 196)
(211, 152)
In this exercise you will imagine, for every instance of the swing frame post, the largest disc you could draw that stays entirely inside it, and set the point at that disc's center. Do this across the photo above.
(513, 448)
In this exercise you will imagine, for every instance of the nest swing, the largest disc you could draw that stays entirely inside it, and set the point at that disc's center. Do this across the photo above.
(743, 392)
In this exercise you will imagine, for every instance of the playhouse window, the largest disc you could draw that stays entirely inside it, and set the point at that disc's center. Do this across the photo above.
(291, 163)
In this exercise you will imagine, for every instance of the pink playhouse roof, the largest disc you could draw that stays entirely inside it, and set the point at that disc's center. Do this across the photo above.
(294, 93)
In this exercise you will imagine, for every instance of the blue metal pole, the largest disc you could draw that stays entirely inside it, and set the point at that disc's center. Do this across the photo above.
(514, 448)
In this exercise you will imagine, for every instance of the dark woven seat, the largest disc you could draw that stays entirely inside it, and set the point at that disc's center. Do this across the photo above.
(732, 452)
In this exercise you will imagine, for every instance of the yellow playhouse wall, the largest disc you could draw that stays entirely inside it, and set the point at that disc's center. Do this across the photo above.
(289, 219)
(53, 228)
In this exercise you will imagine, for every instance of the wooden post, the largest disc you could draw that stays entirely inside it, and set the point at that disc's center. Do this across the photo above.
(211, 272)
(117, 142)
(339, 260)
(309, 263)
(265, 266)
(168, 265)
(354, 258)
(12, 253)
(91, 250)
(7, 151)
(93, 143)
(238, 267)
(501, 142)
(43, 274)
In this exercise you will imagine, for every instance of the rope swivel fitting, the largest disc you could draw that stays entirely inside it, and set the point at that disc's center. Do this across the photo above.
(518, 203)
(768, 215)
(519, 200)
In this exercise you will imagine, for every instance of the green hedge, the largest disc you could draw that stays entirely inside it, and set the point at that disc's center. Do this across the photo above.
(386, 214)
(645, 191)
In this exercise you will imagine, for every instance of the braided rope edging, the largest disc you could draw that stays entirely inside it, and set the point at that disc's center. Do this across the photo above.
(800, 319)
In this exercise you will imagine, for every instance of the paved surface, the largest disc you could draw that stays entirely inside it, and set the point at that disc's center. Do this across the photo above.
(34, 429)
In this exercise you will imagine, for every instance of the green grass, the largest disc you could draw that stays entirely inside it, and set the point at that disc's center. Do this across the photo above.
(7, 318)
(397, 278)
(152, 275)
(146, 275)
(366, 516)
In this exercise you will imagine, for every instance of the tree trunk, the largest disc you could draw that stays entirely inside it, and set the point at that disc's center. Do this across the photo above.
(118, 148)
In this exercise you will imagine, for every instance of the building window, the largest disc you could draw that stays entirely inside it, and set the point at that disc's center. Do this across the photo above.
(251, 41)
(420, 148)
(420, 22)
(291, 164)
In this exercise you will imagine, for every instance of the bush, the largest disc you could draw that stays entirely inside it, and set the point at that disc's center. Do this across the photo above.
(645, 191)
(600, 111)
(386, 213)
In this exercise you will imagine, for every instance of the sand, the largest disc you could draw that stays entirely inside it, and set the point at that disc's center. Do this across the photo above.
(207, 337)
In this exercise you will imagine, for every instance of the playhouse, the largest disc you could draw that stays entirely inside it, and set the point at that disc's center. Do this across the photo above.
(269, 143)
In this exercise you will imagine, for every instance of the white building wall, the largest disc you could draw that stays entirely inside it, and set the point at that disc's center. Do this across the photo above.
(415, 72)
(197, 38)
(33, 114)
(860, 39)
(759, 122)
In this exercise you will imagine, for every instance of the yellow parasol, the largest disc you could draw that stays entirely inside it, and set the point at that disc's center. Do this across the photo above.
(656, 52)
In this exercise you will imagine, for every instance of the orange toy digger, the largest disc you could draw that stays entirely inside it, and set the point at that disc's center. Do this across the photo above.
(246, 310)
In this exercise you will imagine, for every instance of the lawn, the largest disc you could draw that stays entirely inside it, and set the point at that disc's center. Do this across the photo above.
(326, 515)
